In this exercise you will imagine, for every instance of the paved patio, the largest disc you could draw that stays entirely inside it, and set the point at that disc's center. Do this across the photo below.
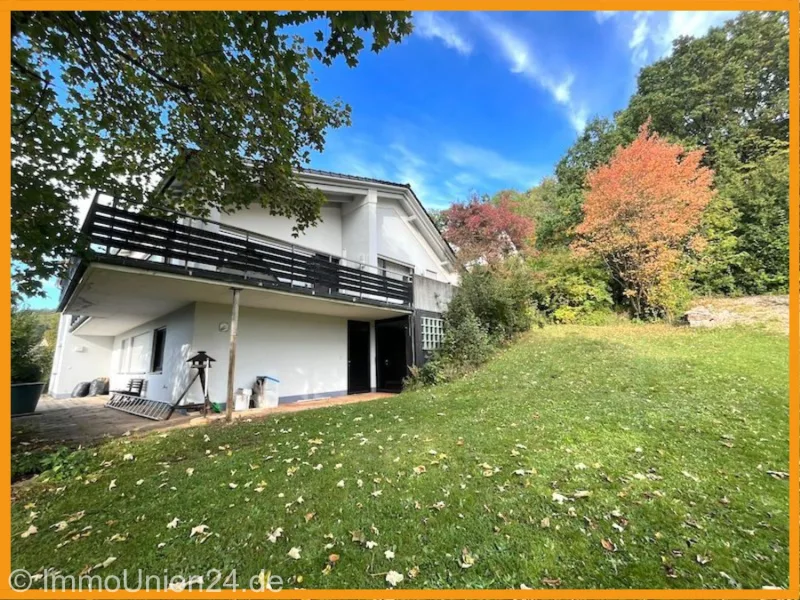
(86, 420)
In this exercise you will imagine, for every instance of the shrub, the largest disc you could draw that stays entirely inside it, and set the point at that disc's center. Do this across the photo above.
(466, 342)
(27, 355)
(466, 345)
(490, 306)
(498, 296)
(669, 299)
(568, 289)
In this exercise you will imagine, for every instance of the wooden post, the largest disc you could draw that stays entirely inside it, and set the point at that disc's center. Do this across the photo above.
(232, 355)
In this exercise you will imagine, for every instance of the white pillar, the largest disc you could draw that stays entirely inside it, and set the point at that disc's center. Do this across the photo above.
(371, 206)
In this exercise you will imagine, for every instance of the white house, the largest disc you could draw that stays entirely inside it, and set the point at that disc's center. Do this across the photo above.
(345, 308)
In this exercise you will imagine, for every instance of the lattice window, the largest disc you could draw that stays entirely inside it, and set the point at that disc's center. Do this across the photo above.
(432, 333)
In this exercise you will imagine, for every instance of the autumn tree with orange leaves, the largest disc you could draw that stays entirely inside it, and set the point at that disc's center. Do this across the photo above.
(640, 213)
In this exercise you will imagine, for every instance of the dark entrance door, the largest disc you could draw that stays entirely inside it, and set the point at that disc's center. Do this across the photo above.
(392, 349)
(357, 357)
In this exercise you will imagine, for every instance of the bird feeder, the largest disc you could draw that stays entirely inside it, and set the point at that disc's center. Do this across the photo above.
(202, 362)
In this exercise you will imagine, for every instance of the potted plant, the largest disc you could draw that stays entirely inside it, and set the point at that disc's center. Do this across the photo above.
(27, 358)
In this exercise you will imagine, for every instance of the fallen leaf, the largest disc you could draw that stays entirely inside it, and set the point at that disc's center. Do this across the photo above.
(294, 553)
(393, 578)
(389, 555)
(608, 545)
(358, 536)
(32, 530)
(273, 537)
(173, 524)
(466, 560)
(202, 528)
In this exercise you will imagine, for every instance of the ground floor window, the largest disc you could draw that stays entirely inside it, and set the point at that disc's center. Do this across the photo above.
(432, 332)
(159, 339)
(135, 354)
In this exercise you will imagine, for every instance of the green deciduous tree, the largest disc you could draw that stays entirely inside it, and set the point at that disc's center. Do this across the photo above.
(760, 192)
(113, 100)
(594, 147)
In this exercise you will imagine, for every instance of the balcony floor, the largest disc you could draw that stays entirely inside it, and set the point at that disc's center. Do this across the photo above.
(119, 298)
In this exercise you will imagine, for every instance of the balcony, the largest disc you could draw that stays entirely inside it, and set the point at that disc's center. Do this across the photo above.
(167, 241)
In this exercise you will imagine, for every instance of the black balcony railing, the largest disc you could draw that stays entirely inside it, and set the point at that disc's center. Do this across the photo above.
(203, 248)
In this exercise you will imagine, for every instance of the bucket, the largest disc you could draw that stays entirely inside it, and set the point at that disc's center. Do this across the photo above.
(268, 396)
(239, 401)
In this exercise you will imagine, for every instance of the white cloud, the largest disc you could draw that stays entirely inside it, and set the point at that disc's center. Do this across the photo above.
(432, 25)
(604, 15)
(693, 23)
(578, 118)
(439, 173)
(410, 168)
(650, 34)
(490, 164)
(523, 61)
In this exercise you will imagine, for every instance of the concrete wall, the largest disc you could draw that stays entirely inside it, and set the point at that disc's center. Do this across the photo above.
(431, 295)
(307, 353)
(77, 358)
(167, 385)
(326, 236)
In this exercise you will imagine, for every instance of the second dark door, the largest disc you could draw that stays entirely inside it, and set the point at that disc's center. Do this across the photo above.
(392, 348)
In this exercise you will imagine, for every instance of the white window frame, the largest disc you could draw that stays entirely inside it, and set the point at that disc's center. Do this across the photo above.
(124, 356)
(431, 332)
(390, 267)
(143, 345)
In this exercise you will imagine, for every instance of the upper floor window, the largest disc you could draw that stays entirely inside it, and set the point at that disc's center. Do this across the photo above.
(395, 270)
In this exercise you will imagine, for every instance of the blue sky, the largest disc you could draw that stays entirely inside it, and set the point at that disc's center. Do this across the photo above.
(479, 102)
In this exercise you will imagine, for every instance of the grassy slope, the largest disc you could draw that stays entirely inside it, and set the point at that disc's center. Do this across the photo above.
(634, 404)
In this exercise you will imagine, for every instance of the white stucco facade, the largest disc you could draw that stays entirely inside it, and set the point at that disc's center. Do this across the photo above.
(167, 384)
(306, 353)
(300, 341)
(77, 359)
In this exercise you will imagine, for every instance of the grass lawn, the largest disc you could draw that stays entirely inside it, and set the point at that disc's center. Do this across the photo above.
(624, 456)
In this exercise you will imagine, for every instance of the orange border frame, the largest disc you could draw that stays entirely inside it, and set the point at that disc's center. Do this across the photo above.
(791, 6)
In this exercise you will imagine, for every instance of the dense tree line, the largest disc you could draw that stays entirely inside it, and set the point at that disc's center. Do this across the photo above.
(726, 93)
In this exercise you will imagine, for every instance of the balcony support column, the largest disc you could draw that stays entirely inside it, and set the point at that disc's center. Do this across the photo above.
(232, 353)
